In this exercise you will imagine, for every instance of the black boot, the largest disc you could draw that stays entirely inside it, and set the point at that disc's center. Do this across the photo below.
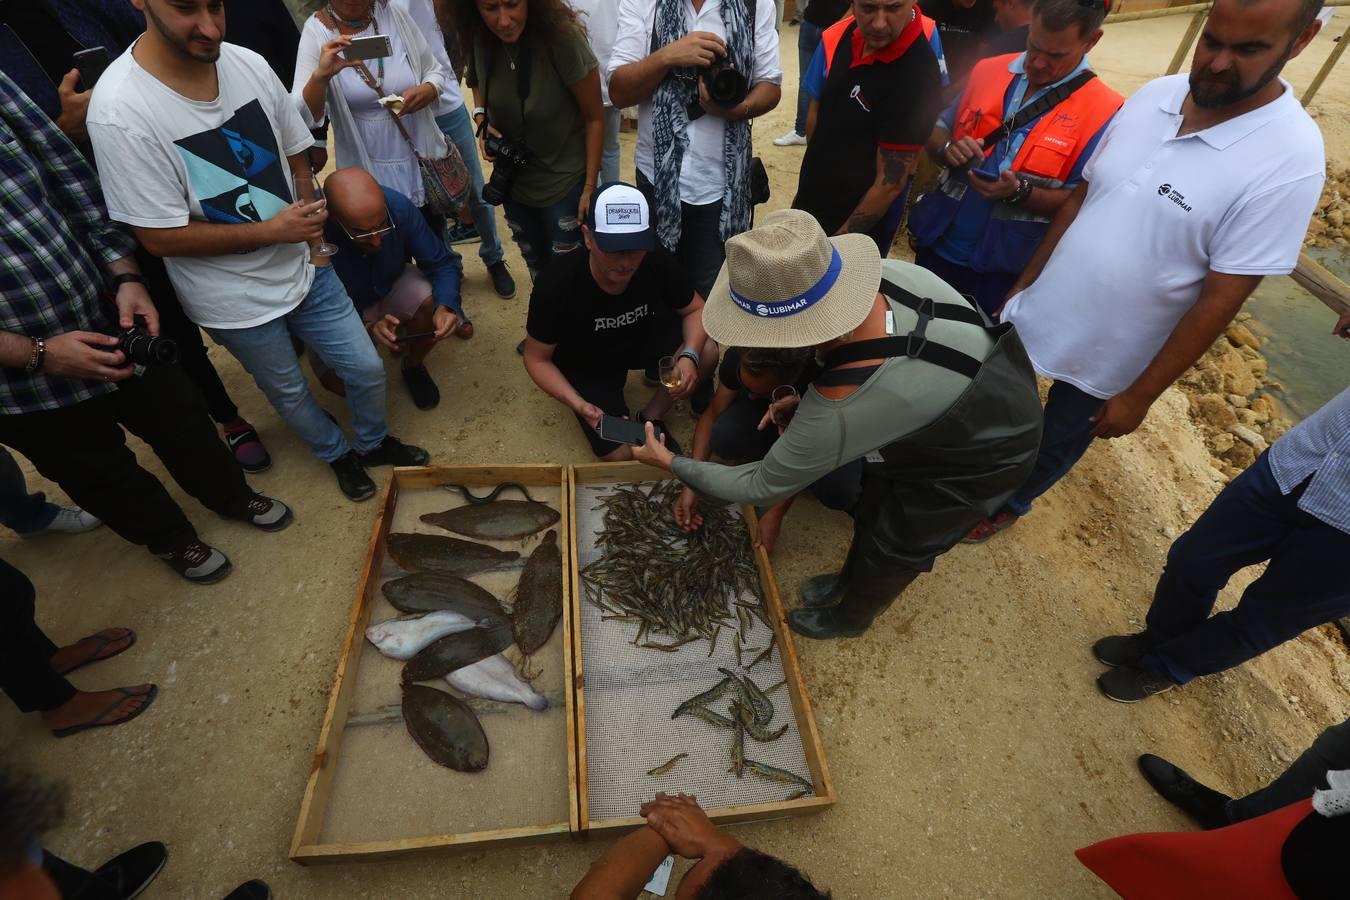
(822, 590)
(865, 598)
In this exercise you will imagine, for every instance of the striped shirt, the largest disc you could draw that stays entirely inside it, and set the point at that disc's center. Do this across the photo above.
(1319, 447)
(55, 237)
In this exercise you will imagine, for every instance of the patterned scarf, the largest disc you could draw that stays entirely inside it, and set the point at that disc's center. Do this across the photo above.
(670, 123)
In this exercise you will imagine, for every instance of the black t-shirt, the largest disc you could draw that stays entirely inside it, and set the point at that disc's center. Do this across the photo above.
(964, 31)
(824, 13)
(888, 103)
(1005, 42)
(596, 331)
(729, 373)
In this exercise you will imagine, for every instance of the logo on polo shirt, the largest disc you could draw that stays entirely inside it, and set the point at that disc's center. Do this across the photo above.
(1165, 190)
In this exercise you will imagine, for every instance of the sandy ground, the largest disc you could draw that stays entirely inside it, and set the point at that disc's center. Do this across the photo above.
(970, 748)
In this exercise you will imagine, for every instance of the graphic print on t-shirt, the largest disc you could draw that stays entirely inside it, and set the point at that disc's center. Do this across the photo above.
(236, 170)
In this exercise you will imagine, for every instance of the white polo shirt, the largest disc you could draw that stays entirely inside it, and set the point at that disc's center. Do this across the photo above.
(1161, 211)
(703, 169)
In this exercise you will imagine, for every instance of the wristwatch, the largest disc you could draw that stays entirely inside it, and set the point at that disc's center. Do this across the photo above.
(125, 278)
(692, 354)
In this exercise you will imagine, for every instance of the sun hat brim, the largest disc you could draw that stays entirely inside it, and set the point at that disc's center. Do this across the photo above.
(841, 310)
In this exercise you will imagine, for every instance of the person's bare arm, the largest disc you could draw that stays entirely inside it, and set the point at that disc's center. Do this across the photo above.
(587, 93)
(1221, 297)
(296, 224)
(633, 83)
(621, 871)
(1063, 218)
(892, 171)
(545, 373)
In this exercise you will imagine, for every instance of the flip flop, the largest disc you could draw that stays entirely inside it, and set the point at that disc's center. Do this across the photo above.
(103, 641)
(97, 721)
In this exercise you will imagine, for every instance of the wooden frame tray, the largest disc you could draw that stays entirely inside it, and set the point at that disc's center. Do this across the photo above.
(307, 847)
(825, 796)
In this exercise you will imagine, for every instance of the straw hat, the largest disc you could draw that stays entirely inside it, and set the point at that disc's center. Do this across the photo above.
(785, 284)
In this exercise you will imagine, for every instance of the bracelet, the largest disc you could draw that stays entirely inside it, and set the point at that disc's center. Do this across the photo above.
(127, 278)
(943, 152)
(478, 111)
(692, 354)
(38, 355)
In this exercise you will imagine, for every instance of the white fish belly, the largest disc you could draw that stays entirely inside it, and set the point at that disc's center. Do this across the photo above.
(403, 637)
(494, 678)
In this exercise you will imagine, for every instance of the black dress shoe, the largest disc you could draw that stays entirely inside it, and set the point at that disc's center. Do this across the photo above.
(256, 889)
(129, 873)
(425, 394)
(352, 477)
(1206, 806)
(393, 452)
(1122, 649)
(502, 282)
(1130, 684)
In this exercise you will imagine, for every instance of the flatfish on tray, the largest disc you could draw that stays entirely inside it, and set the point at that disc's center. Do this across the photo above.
(433, 553)
(404, 636)
(455, 651)
(445, 728)
(430, 591)
(494, 678)
(500, 520)
(539, 597)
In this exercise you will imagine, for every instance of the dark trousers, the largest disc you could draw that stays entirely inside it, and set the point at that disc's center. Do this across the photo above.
(987, 289)
(544, 233)
(26, 674)
(1250, 522)
(1330, 752)
(82, 448)
(701, 250)
(74, 883)
(21, 511)
(174, 323)
(1066, 436)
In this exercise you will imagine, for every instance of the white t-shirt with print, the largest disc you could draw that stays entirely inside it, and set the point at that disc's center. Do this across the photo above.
(1161, 212)
(165, 160)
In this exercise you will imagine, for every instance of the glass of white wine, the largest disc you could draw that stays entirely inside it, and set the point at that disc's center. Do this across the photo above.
(670, 377)
(311, 191)
(782, 411)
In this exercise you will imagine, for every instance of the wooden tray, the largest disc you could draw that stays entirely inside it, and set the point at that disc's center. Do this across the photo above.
(306, 846)
(825, 796)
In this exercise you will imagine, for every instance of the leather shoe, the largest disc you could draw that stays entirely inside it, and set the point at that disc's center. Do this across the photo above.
(352, 477)
(1122, 649)
(128, 874)
(393, 452)
(1206, 806)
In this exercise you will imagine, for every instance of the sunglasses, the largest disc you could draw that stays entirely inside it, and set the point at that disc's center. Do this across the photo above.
(358, 235)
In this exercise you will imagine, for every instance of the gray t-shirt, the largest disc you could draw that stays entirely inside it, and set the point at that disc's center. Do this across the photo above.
(901, 397)
(165, 161)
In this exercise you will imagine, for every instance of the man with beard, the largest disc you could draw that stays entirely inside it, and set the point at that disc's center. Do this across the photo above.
(398, 273)
(1199, 188)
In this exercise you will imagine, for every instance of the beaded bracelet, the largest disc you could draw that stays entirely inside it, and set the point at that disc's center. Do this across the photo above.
(38, 355)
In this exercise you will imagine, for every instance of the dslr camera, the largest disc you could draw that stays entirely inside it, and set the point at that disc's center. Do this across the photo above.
(512, 157)
(726, 86)
(143, 349)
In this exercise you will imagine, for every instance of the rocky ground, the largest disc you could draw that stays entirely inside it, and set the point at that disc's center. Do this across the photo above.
(1330, 225)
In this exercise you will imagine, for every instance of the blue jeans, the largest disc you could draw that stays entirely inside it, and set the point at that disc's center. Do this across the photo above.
(458, 127)
(1064, 440)
(989, 290)
(19, 510)
(609, 158)
(1250, 522)
(808, 39)
(326, 321)
(543, 233)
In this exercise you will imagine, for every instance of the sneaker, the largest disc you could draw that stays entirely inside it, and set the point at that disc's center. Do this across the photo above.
(990, 527)
(128, 874)
(247, 448)
(256, 889)
(502, 282)
(1130, 684)
(1206, 806)
(352, 477)
(267, 514)
(791, 139)
(425, 394)
(199, 563)
(393, 452)
(68, 520)
(455, 233)
(1122, 649)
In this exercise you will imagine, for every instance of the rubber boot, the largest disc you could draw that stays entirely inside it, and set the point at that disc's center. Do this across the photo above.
(864, 599)
(822, 590)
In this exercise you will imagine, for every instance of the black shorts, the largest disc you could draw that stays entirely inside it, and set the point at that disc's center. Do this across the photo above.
(605, 390)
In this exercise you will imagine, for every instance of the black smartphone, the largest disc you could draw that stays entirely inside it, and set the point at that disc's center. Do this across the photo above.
(421, 335)
(91, 64)
(625, 431)
(372, 47)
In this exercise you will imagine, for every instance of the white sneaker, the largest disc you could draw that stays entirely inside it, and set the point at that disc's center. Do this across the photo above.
(791, 139)
(71, 520)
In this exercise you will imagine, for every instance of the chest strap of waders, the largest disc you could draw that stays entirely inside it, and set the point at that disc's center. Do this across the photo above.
(914, 345)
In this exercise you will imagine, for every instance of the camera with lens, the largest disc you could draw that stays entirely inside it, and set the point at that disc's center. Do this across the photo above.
(726, 85)
(512, 157)
(143, 349)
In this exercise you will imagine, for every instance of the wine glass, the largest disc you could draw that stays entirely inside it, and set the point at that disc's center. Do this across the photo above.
(782, 415)
(311, 191)
(670, 377)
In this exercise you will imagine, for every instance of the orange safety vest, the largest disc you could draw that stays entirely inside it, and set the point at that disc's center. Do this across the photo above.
(831, 36)
(1058, 138)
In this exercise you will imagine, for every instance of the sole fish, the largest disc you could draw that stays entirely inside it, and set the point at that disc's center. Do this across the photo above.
(495, 678)
(445, 728)
(429, 591)
(404, 636)
(455, 651)
(432, 553)
(500, 520)
(539, 597)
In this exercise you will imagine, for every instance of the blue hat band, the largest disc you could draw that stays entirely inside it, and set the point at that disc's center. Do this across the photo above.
(799, 303)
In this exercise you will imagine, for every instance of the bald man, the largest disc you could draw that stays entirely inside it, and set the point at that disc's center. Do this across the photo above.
(402, 279)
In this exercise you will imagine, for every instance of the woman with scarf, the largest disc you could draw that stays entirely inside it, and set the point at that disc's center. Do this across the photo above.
(536, 88)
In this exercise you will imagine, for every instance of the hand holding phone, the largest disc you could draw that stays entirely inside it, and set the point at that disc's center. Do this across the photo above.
(91, 64)
(624, 431)
(373, 47)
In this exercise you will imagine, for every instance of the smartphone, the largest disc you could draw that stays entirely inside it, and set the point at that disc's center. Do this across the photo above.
(372, 47)
(625, 431)
(421, 335)
(91, 64)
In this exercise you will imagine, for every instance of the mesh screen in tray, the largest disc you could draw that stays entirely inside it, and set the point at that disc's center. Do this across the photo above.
(631, 691)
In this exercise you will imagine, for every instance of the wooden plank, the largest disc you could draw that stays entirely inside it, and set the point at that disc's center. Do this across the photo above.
(1332, 58)
(578, 669)
(318, 854)
(1187, 39)
(315, 801)
(730, 815)
(434, 476)
(567, 526)
(1319, 281)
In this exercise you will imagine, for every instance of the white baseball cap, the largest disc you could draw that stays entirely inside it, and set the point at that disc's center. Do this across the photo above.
(620, 219)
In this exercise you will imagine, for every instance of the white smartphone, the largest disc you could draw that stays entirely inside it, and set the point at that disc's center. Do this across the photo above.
(372, 47)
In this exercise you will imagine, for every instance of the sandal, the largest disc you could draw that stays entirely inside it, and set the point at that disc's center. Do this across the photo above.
(104, 640)
(98, 721)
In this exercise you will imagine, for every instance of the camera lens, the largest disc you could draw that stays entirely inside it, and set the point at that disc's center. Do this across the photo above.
(726, 86)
